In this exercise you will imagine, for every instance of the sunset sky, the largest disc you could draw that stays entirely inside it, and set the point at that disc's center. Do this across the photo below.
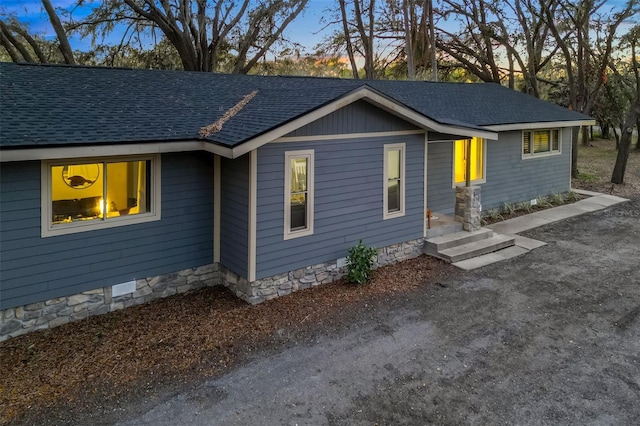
(306, 29)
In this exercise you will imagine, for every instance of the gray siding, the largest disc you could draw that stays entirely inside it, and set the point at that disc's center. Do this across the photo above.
(509, 178)
(34, 268)
(234, 216)
(358, 117)
(441, 196)
(348, 201)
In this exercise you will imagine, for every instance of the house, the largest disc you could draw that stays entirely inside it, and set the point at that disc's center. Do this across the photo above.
(119, 186)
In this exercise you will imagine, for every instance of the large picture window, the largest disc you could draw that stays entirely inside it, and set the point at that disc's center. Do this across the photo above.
(475, 155)
(298, 194)
(394, 180)
(540, 142)
(92, 194)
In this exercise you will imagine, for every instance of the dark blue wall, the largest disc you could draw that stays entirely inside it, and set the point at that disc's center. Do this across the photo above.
(33, 268)
(349, 185)
(509, 178)
(234, 218)
(358, 117)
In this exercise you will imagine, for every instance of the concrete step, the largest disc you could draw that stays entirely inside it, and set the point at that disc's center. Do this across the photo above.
(443, 229)
(476, 248)
(435, 245)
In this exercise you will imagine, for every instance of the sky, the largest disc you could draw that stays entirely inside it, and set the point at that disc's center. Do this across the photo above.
(306, 29)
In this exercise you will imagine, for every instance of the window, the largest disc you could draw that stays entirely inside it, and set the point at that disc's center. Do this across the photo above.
(394, 183)
(83, 195)
(298, 194)
(476, 158)
(540, 143)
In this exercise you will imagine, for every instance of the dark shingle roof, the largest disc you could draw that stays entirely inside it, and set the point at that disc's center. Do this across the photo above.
(62, 105)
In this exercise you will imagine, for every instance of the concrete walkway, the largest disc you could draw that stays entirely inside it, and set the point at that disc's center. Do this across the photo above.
(596, 201)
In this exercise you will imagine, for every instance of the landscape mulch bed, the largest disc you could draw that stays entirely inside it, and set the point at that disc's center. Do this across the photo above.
(198, 334)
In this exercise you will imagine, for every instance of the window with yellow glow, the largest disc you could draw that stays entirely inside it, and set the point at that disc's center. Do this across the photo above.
(99, 191)
(475, 157)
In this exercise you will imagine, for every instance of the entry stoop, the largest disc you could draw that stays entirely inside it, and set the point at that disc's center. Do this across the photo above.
(466, 245)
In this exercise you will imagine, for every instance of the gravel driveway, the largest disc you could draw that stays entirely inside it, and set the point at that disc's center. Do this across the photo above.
(552, 337)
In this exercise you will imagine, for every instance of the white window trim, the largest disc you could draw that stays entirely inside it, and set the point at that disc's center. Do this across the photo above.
(288, 156)
(50, 230)
(484, 167)
(533, 155)
(385, 195)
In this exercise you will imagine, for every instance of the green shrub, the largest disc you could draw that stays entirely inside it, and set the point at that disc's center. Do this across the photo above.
(495, 215)
(543, 202)
(491, 216)
(525, 206)
(556, 199)
(572, 196)
(509, 209)
(360, 263)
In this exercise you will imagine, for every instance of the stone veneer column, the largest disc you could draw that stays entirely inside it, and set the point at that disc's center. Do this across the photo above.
(468, 207)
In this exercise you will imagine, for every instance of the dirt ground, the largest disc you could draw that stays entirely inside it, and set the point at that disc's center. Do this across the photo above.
(551, 337)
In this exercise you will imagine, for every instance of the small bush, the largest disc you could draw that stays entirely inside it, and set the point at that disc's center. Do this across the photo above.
(495, 215)
(556, 199)
(543, 202)
(360, 263)
(525, 206)
(491, 216)
(509, 209)
(572, 197)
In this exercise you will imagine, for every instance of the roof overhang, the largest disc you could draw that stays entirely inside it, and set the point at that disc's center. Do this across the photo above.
(88, 151)
(540, 125)
(369, 95)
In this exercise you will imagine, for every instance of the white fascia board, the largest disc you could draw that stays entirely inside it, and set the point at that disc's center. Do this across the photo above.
(375, 98)
(55, 153)
(540, 125)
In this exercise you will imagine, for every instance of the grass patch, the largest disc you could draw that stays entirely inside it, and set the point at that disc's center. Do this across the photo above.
(595, 165)
(587, 177)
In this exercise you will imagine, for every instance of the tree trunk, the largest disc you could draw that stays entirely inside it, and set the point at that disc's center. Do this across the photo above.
(574, 151)
(432, 36)
(585, 136)
(408, 33)
(615, 134)
(9, 40)
(625, 142)
(638, 134)
(64, 46)
(347, 38)
(604, 131)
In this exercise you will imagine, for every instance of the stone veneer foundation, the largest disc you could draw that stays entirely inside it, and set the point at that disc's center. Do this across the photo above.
(279, 285)
(54, 312)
